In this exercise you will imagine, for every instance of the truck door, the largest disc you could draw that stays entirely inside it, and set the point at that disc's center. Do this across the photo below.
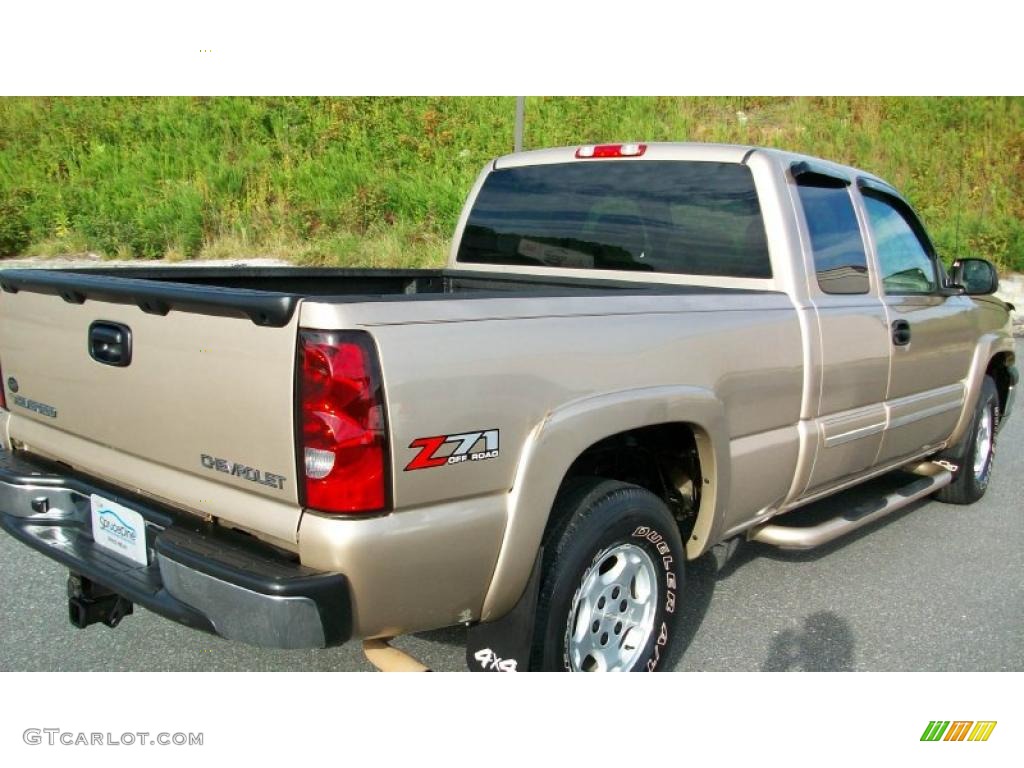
(931, 331)
(852, 342)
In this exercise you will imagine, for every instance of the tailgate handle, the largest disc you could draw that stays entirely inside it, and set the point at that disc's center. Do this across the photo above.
(110, 343)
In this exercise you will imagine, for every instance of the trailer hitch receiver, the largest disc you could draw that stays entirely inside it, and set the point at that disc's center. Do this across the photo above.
(90, 603)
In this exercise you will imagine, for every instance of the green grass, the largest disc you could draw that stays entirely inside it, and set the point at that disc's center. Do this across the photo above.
(380, 181)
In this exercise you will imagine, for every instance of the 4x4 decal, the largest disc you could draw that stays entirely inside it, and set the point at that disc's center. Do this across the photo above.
(465, 442)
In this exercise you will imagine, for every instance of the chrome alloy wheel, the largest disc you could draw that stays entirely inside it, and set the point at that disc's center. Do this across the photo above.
(612, 614)
(983, 445)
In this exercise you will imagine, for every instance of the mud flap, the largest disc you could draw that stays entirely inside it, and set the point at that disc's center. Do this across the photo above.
(504, 645)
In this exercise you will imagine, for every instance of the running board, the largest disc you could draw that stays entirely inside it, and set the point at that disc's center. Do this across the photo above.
(928, 478)
(387, 658)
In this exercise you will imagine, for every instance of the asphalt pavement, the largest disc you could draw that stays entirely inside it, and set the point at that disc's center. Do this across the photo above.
(932, 587)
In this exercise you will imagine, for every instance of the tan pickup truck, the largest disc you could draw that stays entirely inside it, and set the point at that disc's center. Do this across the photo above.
(636, 352)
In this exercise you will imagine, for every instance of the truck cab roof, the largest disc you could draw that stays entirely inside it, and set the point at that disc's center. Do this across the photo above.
(688, 150)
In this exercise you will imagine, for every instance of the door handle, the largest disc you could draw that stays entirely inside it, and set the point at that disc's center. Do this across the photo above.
(900, 333)
(110, 343)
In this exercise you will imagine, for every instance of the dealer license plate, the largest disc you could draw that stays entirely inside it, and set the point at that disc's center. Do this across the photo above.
(119, 529)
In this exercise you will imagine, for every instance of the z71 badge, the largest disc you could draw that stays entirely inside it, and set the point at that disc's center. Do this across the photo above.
(434, 450)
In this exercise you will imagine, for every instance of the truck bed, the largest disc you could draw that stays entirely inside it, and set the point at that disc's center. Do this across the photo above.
(269, 295)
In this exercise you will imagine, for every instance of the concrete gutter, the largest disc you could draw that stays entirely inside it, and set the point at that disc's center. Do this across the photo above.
(1011, 289)
(92, 260)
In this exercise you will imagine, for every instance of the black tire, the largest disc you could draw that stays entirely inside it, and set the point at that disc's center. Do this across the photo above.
(968, 485)
(623, 523)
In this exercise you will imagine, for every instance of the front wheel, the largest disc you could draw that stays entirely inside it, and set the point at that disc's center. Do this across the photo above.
(613, 570)
(972, 476)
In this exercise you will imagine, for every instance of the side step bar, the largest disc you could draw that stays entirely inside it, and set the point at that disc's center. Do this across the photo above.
(387, 658)
(930, 478)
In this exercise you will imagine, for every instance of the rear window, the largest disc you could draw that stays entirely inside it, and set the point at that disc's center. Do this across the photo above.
(690, 218)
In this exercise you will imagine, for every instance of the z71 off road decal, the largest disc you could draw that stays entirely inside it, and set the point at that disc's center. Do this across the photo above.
(469, 446)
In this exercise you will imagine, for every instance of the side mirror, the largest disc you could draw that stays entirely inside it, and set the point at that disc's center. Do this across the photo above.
(977, 276)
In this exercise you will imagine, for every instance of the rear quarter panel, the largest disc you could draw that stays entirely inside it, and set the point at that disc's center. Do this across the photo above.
(518, 365)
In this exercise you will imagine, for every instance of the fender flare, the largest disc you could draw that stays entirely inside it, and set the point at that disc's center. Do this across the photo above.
(565, 433)
(989, 345)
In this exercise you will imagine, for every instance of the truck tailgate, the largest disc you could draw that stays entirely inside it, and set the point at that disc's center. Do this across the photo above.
(200, 417)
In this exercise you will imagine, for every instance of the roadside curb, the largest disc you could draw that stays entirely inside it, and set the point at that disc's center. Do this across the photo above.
(89, 260)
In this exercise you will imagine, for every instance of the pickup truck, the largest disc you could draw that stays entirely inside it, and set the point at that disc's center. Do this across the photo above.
(637, 353)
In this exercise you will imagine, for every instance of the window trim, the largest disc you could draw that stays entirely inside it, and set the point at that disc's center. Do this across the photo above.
(803, 168)
(871, 188)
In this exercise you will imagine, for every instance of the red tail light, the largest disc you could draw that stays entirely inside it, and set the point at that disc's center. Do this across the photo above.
(341, 418)
(3, 390)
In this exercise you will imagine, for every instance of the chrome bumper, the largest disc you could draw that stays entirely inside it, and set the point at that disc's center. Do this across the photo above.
(199, 574)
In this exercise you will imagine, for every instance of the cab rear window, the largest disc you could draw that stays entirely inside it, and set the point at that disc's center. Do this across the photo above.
(691, 218)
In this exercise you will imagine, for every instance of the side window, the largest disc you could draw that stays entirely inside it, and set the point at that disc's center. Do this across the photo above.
(839, 256)
(903, 257)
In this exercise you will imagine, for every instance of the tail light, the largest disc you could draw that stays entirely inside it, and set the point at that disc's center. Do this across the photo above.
(341, 422)
(3, 390)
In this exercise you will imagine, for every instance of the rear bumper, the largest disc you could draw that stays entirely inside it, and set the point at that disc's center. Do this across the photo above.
(199, 574)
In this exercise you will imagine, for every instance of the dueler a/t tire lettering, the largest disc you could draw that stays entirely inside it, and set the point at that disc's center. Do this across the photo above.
(597, 517)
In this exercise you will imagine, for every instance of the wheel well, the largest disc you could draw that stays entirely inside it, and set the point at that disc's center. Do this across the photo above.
(662, 458)
(999, 370)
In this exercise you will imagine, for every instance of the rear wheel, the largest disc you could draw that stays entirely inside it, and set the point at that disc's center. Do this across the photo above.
(612, 572)
(979, 449)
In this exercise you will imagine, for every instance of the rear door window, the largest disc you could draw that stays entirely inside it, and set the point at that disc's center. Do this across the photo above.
(839, 257)
(679, 217)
